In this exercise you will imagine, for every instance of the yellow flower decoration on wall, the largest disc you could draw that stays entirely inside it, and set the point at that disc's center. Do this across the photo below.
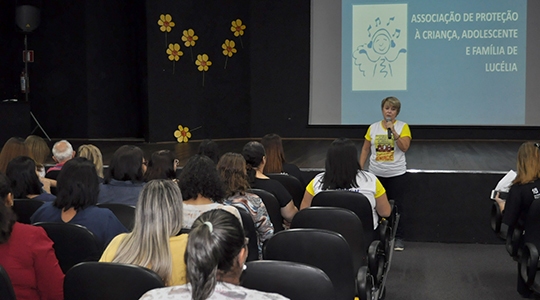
(228, 50)
(182, 135)
(174, 53)
(165, 24)
(238, 28)
(189, 39)
(203, 64)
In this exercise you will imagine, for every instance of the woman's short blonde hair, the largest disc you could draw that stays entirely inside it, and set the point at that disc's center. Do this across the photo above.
(93, 154)
(393, 101)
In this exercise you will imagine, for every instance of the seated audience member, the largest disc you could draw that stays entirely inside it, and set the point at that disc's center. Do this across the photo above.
(215, 256)
(255, 156)
(25, 182)
(62, 152)
(162, 165)
(13, 147)
(524, 190)
(342, 172)
(27, 254)
(232, 169)
(78, 188)
(125, 177)
(39, 152)
(93, 154)
(210, 149)
(275, 158)
(202, 189)
(154, 242)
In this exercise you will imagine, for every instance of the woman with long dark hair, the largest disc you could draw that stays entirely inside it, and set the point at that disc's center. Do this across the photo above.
(27, 254)
(255, 156)
(343, 172)
(215, 256)
(275, 158)
(25, 182)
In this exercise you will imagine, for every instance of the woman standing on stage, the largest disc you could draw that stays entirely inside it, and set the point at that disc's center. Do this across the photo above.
(388, 140)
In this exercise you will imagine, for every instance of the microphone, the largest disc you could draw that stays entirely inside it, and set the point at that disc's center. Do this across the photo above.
(389, 130)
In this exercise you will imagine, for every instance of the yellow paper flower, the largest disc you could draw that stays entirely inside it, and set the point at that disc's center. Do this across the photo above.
(203, 62)
(174, 52)
(237, 27)
(228, 48)
(189, 37)
(165, 22)
(182, 135)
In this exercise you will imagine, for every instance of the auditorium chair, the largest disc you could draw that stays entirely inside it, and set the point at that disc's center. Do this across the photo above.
(359, 204)
(125, 213)
(6, 288)
(326, 250)
(528, 257)
(25, 208)
(72, 243)
(346, 223)
(292, 185)
(251, 233)
(284, 277)
(272, 207)
(109, 281)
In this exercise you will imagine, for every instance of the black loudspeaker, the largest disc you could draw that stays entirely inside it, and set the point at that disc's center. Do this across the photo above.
(27, 17)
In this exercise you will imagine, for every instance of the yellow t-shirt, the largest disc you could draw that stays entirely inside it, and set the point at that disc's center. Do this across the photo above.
(178, 248)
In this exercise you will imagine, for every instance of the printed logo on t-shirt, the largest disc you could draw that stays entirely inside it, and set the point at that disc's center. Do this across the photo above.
(536, 195)
(384, 148)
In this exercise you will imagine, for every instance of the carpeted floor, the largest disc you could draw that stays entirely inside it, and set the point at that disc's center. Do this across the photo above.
(438, 271)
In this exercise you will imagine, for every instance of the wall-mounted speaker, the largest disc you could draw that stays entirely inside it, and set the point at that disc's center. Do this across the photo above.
(27, 17)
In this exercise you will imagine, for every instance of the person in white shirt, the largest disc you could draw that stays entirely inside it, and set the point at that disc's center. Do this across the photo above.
(385, 143)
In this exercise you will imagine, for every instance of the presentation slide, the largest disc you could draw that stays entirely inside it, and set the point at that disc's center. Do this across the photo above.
(450, 62)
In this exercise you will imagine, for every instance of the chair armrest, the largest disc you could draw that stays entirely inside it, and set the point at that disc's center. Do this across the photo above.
(364, 283)
(376, 260)
(529, 263)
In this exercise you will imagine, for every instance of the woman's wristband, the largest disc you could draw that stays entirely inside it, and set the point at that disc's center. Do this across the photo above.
(397, 138)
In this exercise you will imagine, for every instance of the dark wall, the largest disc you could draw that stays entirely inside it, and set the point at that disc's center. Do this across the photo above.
(221, 107)
(101, 71)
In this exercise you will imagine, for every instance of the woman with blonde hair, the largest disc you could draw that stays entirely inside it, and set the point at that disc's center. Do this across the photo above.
(39, 151)
(93, 154)
(154, 242)
(524, 190)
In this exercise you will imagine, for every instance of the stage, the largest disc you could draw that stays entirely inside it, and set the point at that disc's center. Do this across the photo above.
(450, 180)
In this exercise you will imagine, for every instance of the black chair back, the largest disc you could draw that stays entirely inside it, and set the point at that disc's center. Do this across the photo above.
(72, 243)
(340, 220)
(25, 208)
(324, 249)
(250, 232)
(125, 213)
(104, 281)
(293, 186)
(355, 202)
(6, 288)
(272, 206)
(283, 277)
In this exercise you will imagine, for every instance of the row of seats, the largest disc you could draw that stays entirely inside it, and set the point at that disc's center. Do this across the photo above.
(364, 262)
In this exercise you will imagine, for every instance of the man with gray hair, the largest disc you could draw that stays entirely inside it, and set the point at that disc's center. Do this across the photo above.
(62, 152)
